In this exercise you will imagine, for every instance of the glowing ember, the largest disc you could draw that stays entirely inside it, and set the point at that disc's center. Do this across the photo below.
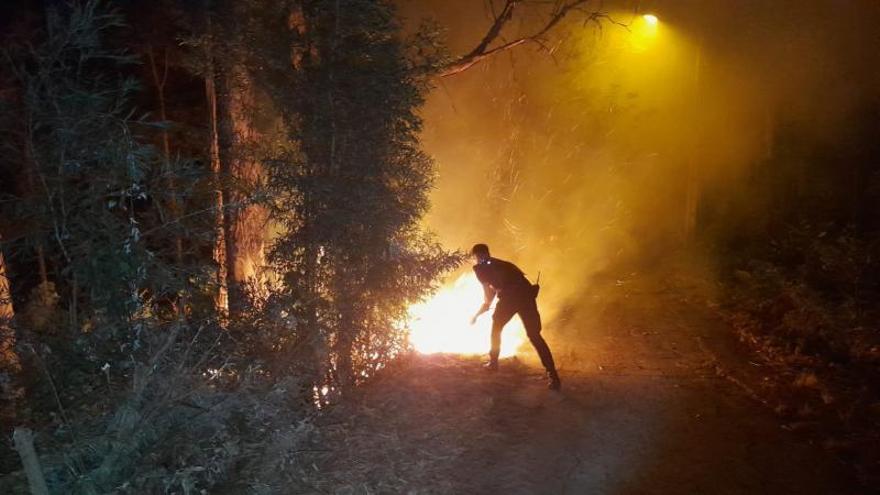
(442, 323)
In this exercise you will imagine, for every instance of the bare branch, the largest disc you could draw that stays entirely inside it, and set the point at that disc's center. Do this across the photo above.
(484, 49)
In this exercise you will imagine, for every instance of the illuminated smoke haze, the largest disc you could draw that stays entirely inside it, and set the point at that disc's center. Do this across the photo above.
(578, 163)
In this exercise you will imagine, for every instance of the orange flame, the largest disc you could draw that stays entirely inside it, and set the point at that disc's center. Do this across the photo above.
(441, 324)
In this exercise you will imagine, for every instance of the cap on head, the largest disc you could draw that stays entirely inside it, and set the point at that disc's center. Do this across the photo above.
(480, 250)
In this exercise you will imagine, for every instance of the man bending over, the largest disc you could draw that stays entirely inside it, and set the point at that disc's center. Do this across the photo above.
(516, 295)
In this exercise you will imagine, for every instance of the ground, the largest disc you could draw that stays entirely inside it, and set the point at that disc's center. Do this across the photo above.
(649, 405)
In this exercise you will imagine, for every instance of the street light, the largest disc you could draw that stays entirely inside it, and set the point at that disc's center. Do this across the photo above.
(643, 32)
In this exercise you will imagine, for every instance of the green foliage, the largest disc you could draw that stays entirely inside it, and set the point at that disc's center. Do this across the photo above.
(797, 244)
(812, 292)
(130, 356)
(350, 189)
(80, 147)
(112, 371)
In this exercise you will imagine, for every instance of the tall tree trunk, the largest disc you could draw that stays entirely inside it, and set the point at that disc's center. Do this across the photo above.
(221, 298)
(173, 204)
(245, 223)
(346, 330)
(8, 357)
(30, 177)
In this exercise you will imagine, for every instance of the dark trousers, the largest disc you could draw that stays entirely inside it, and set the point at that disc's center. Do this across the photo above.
(527, 309)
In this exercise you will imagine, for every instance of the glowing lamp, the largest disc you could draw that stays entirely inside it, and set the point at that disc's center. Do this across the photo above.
(651, 19)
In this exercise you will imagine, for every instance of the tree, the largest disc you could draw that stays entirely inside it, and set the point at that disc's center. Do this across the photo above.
(218, 251)
(489, 45)
(203, 42)
(350, 188)
(8, 358)
(239, 138)
(97, 208)
(89, 167)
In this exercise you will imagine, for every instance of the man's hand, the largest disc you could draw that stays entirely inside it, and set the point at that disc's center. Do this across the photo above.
(483, 309)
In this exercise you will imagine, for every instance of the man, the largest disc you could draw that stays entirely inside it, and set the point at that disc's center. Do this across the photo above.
(516, 295)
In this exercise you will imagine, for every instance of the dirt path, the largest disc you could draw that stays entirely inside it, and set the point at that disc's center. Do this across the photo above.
(642, 410)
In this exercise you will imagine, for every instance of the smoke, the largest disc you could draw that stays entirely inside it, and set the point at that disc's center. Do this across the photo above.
(597, 157)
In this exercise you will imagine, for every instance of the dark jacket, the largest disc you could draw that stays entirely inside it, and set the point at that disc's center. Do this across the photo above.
(503, 277)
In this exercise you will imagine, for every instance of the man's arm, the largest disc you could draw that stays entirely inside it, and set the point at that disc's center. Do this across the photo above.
(488, 297)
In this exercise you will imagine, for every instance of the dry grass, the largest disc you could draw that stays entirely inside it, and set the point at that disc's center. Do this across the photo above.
(440, 404)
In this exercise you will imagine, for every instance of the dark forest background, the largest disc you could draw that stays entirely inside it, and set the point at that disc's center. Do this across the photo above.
(150, 149)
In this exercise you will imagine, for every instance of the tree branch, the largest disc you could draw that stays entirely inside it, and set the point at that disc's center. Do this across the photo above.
(484, 50)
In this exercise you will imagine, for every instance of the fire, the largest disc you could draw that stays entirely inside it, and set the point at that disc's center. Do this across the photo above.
(442, 323)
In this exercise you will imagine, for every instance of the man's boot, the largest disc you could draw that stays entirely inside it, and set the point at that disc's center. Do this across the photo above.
(553, 382)
(492, 365)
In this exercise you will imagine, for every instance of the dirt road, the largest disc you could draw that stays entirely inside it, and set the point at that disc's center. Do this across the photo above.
(643, 410)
